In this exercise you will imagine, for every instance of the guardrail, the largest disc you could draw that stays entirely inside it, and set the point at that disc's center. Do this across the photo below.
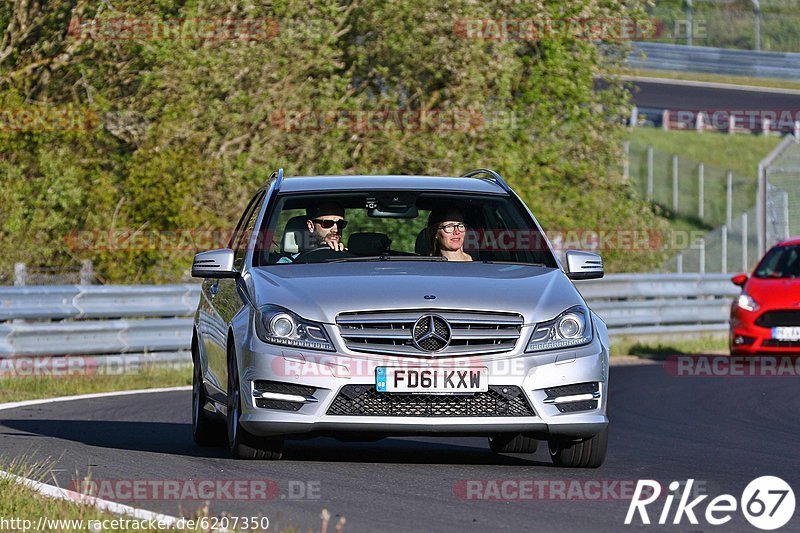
(661, 304)
(153, 323)
(663, 56)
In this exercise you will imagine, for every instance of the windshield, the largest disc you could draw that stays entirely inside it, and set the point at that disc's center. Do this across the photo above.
(780, 262)
(398, 226)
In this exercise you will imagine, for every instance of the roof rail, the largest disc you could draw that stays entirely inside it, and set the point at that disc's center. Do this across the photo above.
(278, 175)
(491, 174)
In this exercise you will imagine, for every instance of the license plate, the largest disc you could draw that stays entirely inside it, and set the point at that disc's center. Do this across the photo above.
(786, 333)
(428, 380)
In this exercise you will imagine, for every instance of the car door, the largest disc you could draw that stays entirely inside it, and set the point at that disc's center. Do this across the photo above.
(224, 300)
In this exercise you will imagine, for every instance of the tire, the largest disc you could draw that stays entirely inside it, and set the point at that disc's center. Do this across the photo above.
(586, 453)
(242, 444)
(512, 444)
(205, 430)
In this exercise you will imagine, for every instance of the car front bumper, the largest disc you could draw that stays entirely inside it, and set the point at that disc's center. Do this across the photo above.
(327, 374)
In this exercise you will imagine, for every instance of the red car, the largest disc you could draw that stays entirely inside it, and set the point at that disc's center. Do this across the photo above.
(765, 318)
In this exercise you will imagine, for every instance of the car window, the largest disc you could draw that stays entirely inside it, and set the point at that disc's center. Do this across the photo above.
(497, 230)
(780, 262)
(243, 233)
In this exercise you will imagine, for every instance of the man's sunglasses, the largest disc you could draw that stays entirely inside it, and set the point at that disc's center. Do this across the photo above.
(328, 224)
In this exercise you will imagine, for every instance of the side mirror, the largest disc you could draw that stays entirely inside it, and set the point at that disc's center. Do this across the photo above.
(739, 279)
(584, 265)
(214, 264)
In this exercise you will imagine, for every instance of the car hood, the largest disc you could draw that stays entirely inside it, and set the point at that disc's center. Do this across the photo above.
(320, 292)
(775, 293)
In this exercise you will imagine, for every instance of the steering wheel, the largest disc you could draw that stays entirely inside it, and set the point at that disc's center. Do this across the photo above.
(320, 254)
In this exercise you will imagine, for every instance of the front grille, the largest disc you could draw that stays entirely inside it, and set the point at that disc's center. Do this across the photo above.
(774, 343)
(771, 319)
(574, 407)
(281, 405)
(364, 400)
(391, 332)
(571, 390)
(262, 385)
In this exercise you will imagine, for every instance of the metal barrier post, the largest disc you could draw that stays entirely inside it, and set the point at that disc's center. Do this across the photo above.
(650, 172)
(675, 184)
(20, 274)
(701, 191)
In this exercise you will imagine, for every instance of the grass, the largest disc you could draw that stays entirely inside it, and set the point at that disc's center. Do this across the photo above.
(715, 78)
(661, 348)
(740, 153)
(719, 153)
(30, 388)
(21, 502)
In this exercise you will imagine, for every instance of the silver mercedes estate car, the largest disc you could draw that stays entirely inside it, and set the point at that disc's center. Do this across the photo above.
(364, 307)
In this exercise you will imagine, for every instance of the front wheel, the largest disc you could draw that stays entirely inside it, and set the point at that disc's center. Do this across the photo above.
(242, 444)
(205, 430)
(586, 453)
(512, 444)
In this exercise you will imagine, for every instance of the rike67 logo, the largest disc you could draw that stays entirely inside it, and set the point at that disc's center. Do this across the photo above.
(767, 503)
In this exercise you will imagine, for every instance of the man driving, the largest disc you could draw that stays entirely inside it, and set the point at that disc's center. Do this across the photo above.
(325, 224)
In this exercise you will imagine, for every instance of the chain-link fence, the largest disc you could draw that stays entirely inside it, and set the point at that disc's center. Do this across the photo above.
(704, 195)
(714, 225)
(775, 26)
(782, 183)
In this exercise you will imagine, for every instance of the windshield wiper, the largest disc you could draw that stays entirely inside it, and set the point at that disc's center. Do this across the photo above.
(388, 258)
(492, 262)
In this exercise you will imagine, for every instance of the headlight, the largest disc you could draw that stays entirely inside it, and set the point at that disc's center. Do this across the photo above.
(276, 325)
(747, 302)
(573, 327)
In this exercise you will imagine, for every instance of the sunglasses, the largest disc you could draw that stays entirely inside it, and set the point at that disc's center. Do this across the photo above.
(328, 224)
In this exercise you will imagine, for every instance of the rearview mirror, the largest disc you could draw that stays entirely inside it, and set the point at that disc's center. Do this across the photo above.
(215, 264)
(584, 265)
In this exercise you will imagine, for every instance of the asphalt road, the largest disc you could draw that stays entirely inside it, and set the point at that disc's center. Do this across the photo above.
(722, 432)
(666, 95)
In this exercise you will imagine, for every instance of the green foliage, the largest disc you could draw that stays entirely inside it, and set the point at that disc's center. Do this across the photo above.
(189, 127)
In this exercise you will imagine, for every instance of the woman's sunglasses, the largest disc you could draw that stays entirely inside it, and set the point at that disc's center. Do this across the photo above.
(328, 224)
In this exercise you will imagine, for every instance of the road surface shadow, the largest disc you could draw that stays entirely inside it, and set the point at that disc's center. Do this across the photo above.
(176, 439)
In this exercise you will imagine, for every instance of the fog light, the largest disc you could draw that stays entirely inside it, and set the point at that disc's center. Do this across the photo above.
(742, 340)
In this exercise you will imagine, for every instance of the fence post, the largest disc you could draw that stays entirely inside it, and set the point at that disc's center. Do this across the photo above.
(702, 255)
(626, 163)
(724, 249)
(701, 178)
(675, 184)
(680, 263)
(665, 119)
(744, 242)
(729, 200)
(20, 274)
(634, 118)
(650, 172)
(87, 272)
